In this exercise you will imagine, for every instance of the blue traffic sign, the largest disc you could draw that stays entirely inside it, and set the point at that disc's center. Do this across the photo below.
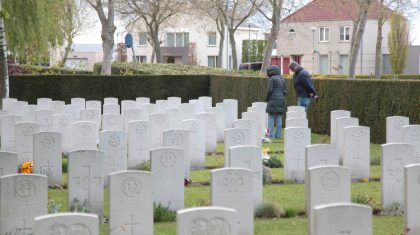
(128, 40)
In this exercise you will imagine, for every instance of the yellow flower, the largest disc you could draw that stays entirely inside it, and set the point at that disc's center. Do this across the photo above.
(26, 168)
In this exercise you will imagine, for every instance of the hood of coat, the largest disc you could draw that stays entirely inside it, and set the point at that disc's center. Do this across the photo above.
(273, 70)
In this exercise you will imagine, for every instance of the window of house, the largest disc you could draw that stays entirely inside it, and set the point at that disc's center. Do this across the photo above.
(324, 34)
(142, 59)
(344, 64)
(177, 39)
(212, 39)
(291, 34)
(212, 61)
(345, 33)
(323, 64)
(142, 39)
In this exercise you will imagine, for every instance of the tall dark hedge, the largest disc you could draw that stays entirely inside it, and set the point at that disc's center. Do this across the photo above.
(65, 87)
(369, 100)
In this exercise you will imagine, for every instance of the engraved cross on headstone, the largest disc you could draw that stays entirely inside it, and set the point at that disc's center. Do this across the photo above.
(27, 153)
(195, 149)
(46, 169)
(22, 230)
(113, 165)
(298, 159)
(132, 224)
(247, 164)
(344, 232)
(141, 150)
(323, 161)
(86, 181)
(357, 158)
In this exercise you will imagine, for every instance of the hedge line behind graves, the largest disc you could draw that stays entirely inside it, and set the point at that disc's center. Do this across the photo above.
(369, 100)
(65, 87)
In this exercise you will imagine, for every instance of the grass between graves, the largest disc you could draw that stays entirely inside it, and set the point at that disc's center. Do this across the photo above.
(287, 196)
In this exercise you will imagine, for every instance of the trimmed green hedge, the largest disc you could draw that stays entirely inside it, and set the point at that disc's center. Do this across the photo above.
(65, 87)
(384, 76)
(38, 70)
(369, 100)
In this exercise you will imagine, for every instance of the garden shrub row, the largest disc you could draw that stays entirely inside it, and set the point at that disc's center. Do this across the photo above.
(42, 70)
(369, 100)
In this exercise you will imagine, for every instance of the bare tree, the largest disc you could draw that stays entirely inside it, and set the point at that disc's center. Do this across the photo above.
(398, 42)
(358, 31)
(107, 31)
(276, 9)
(76, 19)
(153, 13)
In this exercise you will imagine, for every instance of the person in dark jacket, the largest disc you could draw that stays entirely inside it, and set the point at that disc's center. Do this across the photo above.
(303, 85)
(275, 100)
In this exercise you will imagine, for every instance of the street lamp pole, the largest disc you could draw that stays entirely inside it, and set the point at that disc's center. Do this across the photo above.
(249, 44)
(313, 50)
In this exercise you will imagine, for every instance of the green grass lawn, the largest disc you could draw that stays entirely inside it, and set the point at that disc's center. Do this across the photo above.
(285, 195)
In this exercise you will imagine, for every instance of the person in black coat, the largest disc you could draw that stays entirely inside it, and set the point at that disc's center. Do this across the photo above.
(275, 100)
(304, 87)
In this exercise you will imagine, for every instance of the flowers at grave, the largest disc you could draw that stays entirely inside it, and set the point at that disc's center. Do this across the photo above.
(265, 155)
(26, 168)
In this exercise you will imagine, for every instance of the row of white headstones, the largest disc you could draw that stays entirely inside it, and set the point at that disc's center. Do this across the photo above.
(247, 157)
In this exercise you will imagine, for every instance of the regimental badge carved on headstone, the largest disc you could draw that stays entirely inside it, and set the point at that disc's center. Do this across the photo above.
(415, 135)
(114, 140)
(398, 124)
(357, 135)
(194, 128)
(90, 115)
(168, 159)
(140, 128)
(131, 187)
(27, 130)
(24, 189)
(60, 229)
(201, 226)
(232, 182)
(238, 138)
(330, 181)
(85, 130)
(298, 136)
(47, 142)
(177, 139)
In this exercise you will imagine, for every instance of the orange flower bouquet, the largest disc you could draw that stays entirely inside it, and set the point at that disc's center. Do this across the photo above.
(26, 168)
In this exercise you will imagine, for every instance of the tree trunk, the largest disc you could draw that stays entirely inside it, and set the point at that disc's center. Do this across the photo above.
(108, 47)
(233, 45)
(274, 32)
(378, 53)
(152, 59)
(357, 37)
(4, 81)
(67, 50)
(156, 44)
(221, 30)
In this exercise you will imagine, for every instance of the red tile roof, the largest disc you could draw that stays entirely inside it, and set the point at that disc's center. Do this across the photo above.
(330, 10)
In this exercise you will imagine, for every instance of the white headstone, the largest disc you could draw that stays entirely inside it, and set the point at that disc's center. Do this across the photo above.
(131, 203)
(168, 177)
(63, 123)
(411, 198)
(8, 163)
(24, 134)
(394, 157)
(143, 100)
(342, 218)
(159, 122)
(340, 124)
(85, 181)
(199, 105)
(111, 109)
(162, 105)
(174, 118)
(7, 124)
(44, 117)
(394, 127)
(231, 109)
(187, 111)
(231, 187)
(249, 157)
(29, 115)
(295, 114)
(48, 156)
(19, 108)
(333, 123)
(112, 122)
(73, 110)
(128, 104)
(256, 117)
(6, 103)
(207, 101)
(356, 151)
(220, 122)
(139, 142)
(110, 100)
(207, 220)
(132, 115)
(252, 125)
(209, 120)
(94, 104)
(262, 118)
(297, 122)
(85, 136)
(296, 109)
(57, 106)
(411, 135)
(295, 141)
(180, 139)
(80, 102)
(197, 142)
(326, 184)
(22, 198)
(174, 102)
(236, 137)
(91, 115)
(43, 103)
(114, 146)
(67, 223)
